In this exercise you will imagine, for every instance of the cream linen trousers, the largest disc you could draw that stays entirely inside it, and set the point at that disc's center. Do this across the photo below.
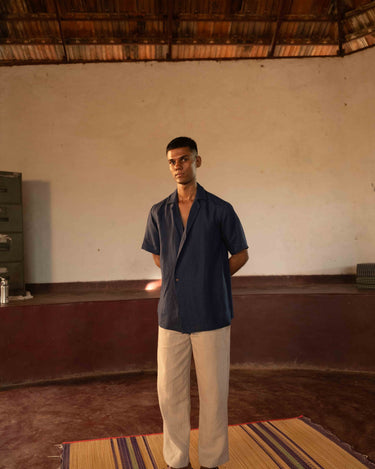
(211, 351)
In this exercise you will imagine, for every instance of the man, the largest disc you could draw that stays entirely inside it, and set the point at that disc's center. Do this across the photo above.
(189, 235)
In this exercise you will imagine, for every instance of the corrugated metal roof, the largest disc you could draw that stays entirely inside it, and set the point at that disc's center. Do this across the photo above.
(62, 31)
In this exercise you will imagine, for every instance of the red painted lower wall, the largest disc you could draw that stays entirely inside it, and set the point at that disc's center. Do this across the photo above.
(53, 341)
(318, 330)
(272, 326)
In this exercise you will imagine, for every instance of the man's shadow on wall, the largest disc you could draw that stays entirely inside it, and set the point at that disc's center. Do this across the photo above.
(36, 197)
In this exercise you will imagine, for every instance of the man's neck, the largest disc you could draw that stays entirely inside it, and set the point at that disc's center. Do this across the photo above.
(187, 192)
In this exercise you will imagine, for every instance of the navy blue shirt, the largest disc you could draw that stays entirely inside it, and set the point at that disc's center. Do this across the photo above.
(196, 287)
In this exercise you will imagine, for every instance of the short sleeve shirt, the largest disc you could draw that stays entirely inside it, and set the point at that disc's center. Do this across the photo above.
(196, 287)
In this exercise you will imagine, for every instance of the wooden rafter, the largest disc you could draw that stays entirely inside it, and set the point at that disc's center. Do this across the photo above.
(277, 29)
(340, 18)
(65, 58)
(233, 18)
(170, 28)
(67, 32)
(161, 39)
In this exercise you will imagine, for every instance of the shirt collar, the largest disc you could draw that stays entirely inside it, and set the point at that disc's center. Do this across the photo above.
(201, 194)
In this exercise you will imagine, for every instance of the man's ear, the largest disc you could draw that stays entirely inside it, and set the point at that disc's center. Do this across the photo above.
(198, 161)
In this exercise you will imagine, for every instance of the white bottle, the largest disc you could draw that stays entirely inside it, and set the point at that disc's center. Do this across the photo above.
(4, 290)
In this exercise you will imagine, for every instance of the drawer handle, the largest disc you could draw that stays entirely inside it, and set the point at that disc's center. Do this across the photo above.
(5, 242)
(6, 219)
(3, 189)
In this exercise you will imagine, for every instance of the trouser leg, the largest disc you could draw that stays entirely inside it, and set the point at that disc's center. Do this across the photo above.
(174, 363)
(211, 352)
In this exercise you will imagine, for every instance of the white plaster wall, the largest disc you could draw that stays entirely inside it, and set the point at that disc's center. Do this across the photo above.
(290, 143)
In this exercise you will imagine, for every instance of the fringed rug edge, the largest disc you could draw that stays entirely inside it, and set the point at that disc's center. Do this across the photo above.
(362, 458)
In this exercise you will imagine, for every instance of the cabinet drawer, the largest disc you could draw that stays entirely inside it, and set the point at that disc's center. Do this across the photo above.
(16, 276)
(11, 247)
(10, 188)
(10, 218)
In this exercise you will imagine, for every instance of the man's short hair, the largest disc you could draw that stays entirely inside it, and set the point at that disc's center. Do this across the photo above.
(181, 142)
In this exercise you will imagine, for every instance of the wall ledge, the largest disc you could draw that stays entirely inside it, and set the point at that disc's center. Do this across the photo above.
(244, 281)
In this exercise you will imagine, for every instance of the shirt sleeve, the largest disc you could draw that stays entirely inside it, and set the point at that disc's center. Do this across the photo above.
(232, 231)
(151, 240)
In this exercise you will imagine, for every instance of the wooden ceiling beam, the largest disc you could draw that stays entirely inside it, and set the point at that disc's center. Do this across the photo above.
(360, 33)
(277, 29)
(340, 17)
(139, 40)
(360, 10)
(252, 18)
(31, 42)
(234, 17)
(65, 57)
(170, 28)
(181, 17)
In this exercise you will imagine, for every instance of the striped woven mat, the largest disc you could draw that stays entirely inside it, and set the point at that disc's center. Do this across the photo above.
(293, 443)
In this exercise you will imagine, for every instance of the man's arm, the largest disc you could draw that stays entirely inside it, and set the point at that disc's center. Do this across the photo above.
(156, 259)
(237, 261)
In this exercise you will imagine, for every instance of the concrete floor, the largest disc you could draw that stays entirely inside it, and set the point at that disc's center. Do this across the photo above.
(33, 419)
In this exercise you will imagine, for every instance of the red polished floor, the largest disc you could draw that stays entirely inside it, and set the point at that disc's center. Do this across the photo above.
(33, 419)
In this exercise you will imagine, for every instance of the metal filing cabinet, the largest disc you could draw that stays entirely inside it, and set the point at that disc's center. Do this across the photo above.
(11, 230)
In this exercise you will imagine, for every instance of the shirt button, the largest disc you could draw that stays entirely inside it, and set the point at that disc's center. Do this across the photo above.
(177, 279)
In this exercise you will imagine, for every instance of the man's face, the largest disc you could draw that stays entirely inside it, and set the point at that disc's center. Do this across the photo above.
(183, 164)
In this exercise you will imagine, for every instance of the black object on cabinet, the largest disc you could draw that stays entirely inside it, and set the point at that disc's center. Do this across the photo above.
(11, 230)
